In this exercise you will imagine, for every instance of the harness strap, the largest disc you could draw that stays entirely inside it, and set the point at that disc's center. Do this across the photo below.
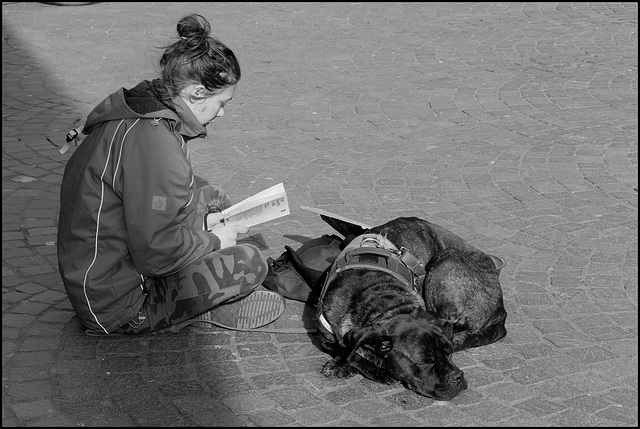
(381, 259)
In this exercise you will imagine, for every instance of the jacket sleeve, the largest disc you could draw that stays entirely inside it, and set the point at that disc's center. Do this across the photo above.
(159, 205)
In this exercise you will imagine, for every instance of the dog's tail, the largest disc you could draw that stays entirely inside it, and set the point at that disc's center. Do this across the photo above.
(314, 278)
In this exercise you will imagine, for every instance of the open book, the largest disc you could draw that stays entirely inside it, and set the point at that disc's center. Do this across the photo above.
(264, 206)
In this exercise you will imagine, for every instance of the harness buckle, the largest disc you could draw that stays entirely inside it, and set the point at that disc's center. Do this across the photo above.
(370, 242)
(415, 265)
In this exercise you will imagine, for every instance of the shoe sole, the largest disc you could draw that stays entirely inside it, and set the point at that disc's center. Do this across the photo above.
(258, 309)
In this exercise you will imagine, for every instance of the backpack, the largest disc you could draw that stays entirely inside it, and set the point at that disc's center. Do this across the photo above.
(317, 253)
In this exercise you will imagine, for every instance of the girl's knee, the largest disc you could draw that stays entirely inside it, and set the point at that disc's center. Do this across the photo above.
(253, 255)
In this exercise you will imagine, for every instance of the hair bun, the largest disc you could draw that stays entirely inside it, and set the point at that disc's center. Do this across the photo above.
(194, 28)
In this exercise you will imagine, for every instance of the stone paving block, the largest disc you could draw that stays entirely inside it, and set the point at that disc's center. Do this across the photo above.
(586, 403)
(29, 359)
(217, 370)
(588, 355)
(574, 385)
(229, 385)
(114, 346)
(34, 409)
(621, 397)
(325, 415)
(165, 359)
(273, 380)
(407, 400)
(157, 416)
(78, 366)
(490, 411)
(257, 365)
(96, 414)
(31, 288)
(572, 417)
(270, 418)
(260, 349)
(28, 391)
(163, 374)
(620, 415)
(303, 350)
(293, 397)
(11, 298)
(204, 411)
(210, 355)
(32, 308)
(39, 343)
(246, 403)
(540, 407)
(181, 388)
(507, 391)
(479, 376)
(123, 383)
(79, 390)
(396, 419)
(116, 364)
(53, 316)
(214, 339)
(146, 400)
(306, 366)
(344, 395)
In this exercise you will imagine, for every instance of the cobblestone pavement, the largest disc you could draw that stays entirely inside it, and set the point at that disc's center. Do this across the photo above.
(513, 125)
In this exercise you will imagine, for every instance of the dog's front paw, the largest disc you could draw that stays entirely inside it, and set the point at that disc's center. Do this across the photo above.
(338, 368)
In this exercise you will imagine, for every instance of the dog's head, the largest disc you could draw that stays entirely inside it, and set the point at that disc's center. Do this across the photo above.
(413, 349)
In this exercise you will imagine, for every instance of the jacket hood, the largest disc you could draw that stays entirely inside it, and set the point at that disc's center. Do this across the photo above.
(148, 99)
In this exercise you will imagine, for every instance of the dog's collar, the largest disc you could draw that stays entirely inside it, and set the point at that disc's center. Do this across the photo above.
(374, 251)
(324, 324)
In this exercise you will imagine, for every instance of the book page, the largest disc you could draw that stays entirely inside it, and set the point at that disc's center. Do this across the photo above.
(258, 211)
(335, 216)
(272, 203)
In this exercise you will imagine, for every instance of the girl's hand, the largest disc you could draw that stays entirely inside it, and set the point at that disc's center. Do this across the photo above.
(228, 234)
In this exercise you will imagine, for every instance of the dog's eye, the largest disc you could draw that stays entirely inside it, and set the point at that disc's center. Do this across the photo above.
(445, 345)
(447, 348)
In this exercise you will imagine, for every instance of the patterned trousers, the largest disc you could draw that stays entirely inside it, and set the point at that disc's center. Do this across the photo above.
(223, 275)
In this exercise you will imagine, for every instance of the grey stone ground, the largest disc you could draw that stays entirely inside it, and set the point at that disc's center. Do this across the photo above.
(513, 125)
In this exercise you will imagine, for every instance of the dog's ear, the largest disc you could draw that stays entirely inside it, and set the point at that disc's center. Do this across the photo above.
(368, 348)
(447, 328)
(374, 338)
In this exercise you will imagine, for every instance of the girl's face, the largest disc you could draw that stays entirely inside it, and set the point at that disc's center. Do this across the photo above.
(208, 108)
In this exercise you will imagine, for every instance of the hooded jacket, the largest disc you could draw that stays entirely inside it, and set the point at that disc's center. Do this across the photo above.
(127, 206)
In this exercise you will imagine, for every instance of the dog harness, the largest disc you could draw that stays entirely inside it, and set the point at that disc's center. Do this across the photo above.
(374, 252)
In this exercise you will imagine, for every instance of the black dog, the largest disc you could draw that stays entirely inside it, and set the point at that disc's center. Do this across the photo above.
(400, 299)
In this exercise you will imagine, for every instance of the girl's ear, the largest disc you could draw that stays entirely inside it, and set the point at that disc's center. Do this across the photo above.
(198, 91)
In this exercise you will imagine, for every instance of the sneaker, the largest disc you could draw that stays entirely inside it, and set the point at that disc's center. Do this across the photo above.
(258, 309)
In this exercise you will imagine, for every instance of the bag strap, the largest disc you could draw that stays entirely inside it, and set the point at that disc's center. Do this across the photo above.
(186, 323)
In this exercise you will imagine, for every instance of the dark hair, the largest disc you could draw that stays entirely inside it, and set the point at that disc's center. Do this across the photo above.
(198, 58)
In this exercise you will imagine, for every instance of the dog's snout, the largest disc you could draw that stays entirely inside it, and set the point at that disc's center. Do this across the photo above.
(456, 376)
